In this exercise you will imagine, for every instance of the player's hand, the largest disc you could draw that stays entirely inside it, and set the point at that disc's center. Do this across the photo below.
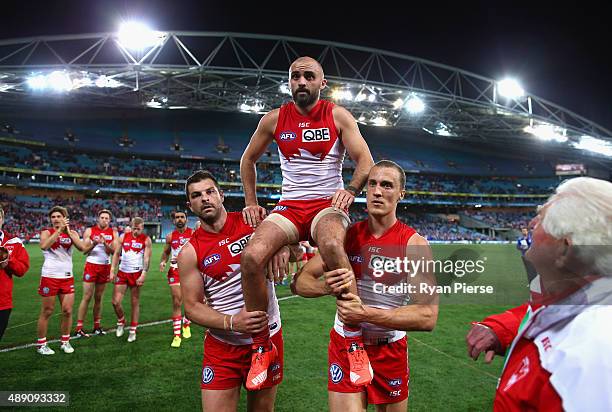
(141, 279)
(64, 225)
(253, 215)
(338, 281)
(250, 322)
(162, 266)
(342, 199)
(276, 269)
(113, 275)
(482, 339)
(350, 309)
(4, 257)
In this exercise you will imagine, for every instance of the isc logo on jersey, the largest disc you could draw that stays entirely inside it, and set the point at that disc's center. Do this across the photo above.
(315, 135)
(236, 247)
(287, 136)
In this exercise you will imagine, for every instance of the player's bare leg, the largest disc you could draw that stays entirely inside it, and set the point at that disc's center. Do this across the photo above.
(67, 302)
(393, 407)
(329, 233)
(46, 311)
(118, 293)
(261, 400)
(220, 400)
(88, 291)
(347, 402)
(97, 308)
(175, 291)
(265, 242)
(135, 302)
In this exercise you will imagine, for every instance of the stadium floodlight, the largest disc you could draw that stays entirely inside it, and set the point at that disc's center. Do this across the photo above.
(414, 105)
(37, 82)
(398, 103)
(284, 89)
(547, 132)
(443, 130)
(342, 94)
(594, 145)
(59, 81)
(134, 35)
(107, 82)
(510, 88)
(372, 98)
(379, 121)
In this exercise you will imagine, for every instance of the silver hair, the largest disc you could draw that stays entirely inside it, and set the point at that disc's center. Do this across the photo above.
(581, 210)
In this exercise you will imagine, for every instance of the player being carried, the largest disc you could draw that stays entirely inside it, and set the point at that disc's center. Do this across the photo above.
(101, 241)
(312, 136)
(174, 242)
(135, 251)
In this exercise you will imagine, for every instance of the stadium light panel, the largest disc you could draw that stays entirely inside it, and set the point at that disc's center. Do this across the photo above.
(37, 82)
(594, 145)
(414, 105)
(398, 103)
(372, 98)
(510, 88)
(59, 81)
(340, 94)
(105, 81)
(135, 35)
(379, 121)
(284, 89)
(547, 132)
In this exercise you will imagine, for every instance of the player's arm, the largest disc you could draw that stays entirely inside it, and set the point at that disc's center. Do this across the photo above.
(89, 244)
(18, 262)
(47, 239)
(253, 214)
(76, 240)
(147, 260)
(192, 289)
(312, 281)
(165, 253)
(420, 315)
(358, 150)
(115, 259)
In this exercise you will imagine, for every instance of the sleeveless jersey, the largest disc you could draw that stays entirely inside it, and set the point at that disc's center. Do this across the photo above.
(218, 256)
(98, 254)
(310, 151)
(58, 258)
(132, 255)
(363, 251)
(177, 241)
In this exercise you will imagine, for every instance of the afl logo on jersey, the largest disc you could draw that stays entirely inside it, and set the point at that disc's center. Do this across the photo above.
(315, 135)
(211, 260)
(236, 247)
(287, 136)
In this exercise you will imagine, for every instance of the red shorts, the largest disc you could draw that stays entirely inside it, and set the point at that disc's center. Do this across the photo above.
(389, 363)
(301, 213)
(54, 287)
(226, 366)
(173, 277)
(94, 273)
(127, 278)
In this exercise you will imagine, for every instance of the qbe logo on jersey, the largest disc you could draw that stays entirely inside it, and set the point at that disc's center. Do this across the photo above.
(315, 135)
(236, 247)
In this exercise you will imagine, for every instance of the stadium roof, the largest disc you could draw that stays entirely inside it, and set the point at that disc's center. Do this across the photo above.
(223, 71)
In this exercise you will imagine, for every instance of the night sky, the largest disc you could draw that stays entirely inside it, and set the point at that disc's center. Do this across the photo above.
(558, 52)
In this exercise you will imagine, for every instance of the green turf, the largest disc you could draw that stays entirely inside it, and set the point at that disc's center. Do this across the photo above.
(107, 373)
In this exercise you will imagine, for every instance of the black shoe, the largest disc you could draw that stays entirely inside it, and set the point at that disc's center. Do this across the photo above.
(99, 332)
(81, 333)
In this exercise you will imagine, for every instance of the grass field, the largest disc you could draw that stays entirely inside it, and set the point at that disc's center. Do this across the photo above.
(107, 373)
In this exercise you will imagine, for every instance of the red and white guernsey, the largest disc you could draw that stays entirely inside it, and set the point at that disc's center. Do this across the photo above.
(58, 257)
(218, 257)
(363, 250)
(310, 151)
(132, 255)
(98, 254)
(177, 241)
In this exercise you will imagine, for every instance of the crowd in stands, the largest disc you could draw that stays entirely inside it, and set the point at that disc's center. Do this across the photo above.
(27, 216)
(514, 220)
